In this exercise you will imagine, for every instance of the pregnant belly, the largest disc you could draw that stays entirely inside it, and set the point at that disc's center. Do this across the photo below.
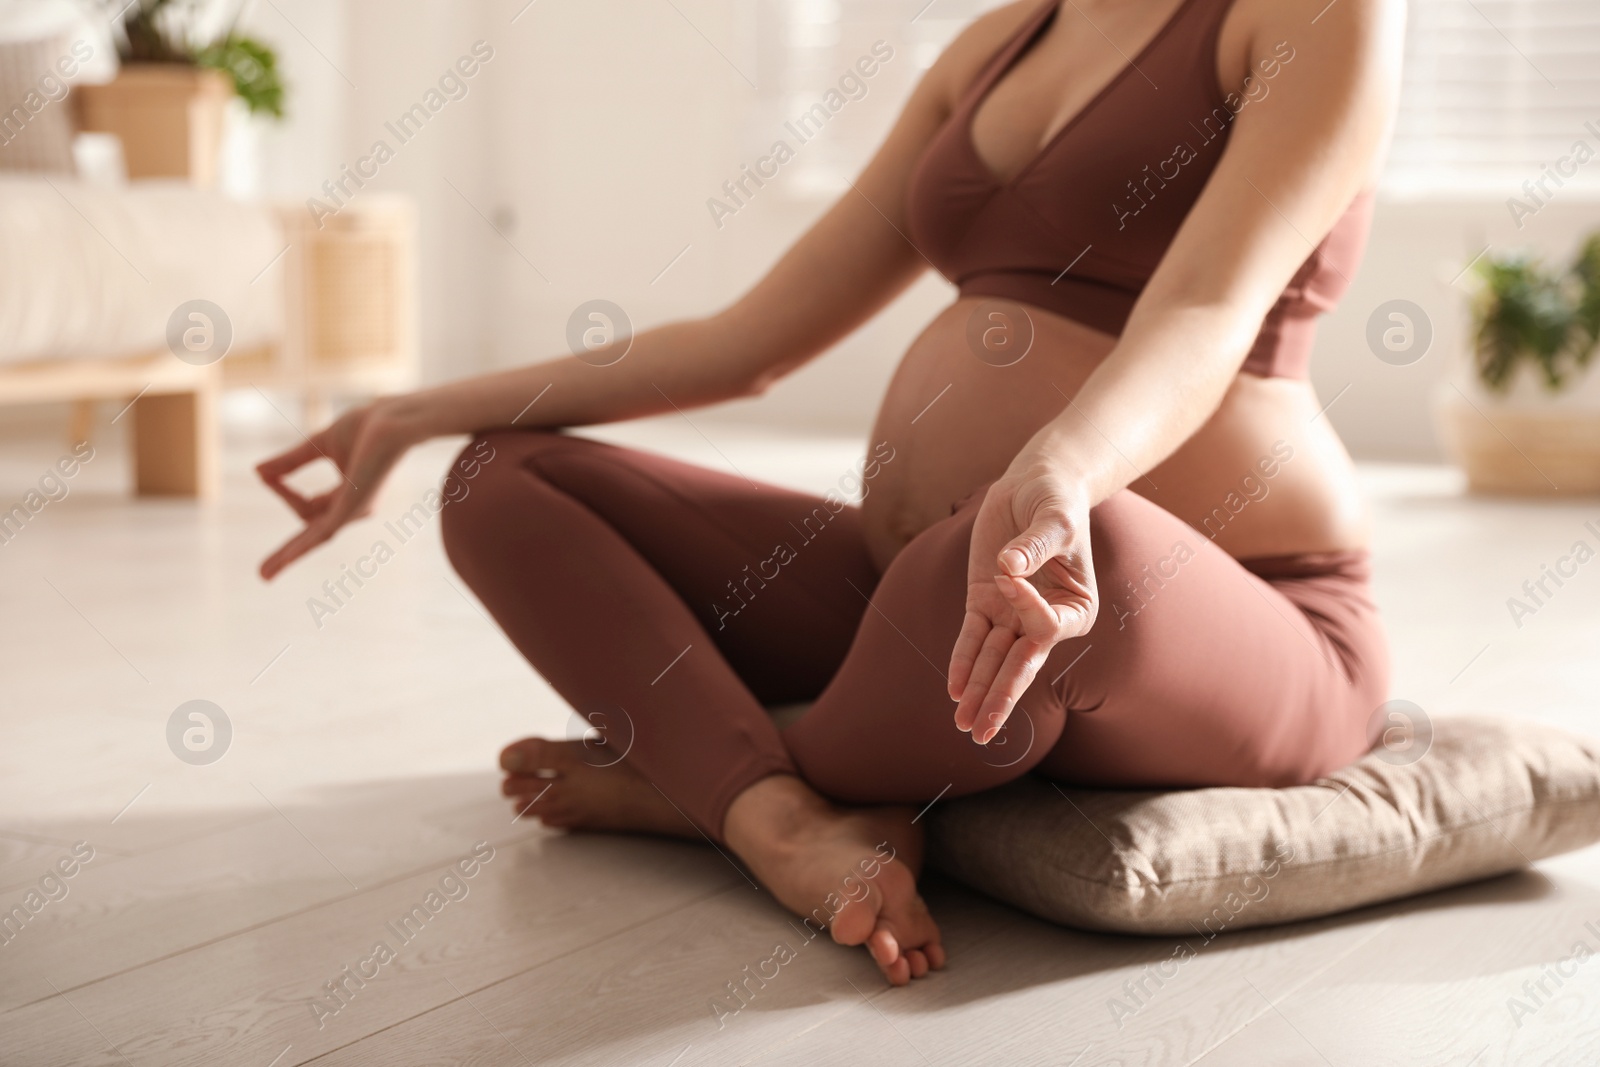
(1264, 476)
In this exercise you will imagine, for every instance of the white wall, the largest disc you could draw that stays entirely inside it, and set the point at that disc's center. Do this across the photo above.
(296, 155)
(618, 121)
(1417, 252)
(612, 121)
(350, 67)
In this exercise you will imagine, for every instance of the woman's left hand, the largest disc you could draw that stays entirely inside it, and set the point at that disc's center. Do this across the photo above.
(1030, 585)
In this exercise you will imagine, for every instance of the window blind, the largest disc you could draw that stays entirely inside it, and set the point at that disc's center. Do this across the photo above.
(1494, 92)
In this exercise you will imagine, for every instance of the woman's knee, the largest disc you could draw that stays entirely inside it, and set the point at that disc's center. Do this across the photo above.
(478, 485)
(464, 512)
(493, 488)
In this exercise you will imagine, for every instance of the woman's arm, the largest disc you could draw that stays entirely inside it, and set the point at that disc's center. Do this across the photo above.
(1293, 163)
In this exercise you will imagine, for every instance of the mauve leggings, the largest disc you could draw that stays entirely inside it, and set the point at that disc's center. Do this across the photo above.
(617, 574)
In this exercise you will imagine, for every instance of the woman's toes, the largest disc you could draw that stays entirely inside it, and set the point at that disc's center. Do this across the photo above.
(527, 785)
(523, 808)
(898, 972)
(550, 809)
(907, 936)
(856, 923)
(532, 754)
(530, 796)
(898, 963)
(557, 819)
(883, 946)
(514, 757)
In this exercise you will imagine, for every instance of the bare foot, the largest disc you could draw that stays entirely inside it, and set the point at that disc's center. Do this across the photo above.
(556, 782)
(851, 870)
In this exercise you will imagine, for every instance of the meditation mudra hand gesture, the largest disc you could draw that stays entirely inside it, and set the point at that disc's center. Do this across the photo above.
(1030, 585)
(364, 448)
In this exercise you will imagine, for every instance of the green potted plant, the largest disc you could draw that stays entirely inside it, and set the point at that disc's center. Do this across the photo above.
(178, 74)
(1535, 332)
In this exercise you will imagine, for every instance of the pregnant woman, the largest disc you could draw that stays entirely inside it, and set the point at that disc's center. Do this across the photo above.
(1110, 536)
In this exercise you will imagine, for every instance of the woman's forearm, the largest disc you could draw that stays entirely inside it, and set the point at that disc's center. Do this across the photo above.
(1163, 380)
(679, 365)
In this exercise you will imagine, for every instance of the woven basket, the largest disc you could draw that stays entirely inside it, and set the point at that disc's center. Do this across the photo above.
(1527, 450)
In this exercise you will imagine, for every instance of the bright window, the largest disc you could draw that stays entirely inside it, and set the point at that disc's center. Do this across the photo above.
(1494, 91)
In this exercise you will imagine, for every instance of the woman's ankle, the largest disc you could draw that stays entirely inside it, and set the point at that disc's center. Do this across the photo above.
(772, 813)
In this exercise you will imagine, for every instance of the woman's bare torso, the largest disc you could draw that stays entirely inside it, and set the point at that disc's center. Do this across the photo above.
(956, 418)
(955, 422)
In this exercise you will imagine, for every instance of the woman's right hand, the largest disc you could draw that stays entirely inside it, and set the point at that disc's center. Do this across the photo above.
(364, 444)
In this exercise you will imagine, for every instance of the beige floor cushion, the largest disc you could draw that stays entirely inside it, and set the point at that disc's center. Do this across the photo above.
(1488, 796)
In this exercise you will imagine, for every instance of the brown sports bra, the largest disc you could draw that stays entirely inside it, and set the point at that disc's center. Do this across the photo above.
(1080, 229)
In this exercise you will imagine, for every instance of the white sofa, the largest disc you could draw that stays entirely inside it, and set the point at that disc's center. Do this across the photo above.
(90, 278)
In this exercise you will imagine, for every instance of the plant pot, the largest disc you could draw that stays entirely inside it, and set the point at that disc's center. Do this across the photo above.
(1527, 449)
(168, 116)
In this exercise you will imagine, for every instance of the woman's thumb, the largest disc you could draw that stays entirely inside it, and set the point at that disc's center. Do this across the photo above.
(1027, 552)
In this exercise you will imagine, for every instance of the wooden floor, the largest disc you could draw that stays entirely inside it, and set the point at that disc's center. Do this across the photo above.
(223, 900)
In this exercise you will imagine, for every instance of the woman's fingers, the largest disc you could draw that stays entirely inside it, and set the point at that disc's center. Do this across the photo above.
(323, 516)
(317, 506)
(1035, 530)
(984, 669)
(288, 461)
(994, 662)
(362, 459)
(1021, 665)
(313, 535)
(1038, 618)
(974, 628)
(1028, 551)
(273, 472)
(305, 508)
(1076, 619)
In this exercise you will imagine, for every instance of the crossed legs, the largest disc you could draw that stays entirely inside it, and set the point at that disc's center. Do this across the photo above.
(669, 604)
